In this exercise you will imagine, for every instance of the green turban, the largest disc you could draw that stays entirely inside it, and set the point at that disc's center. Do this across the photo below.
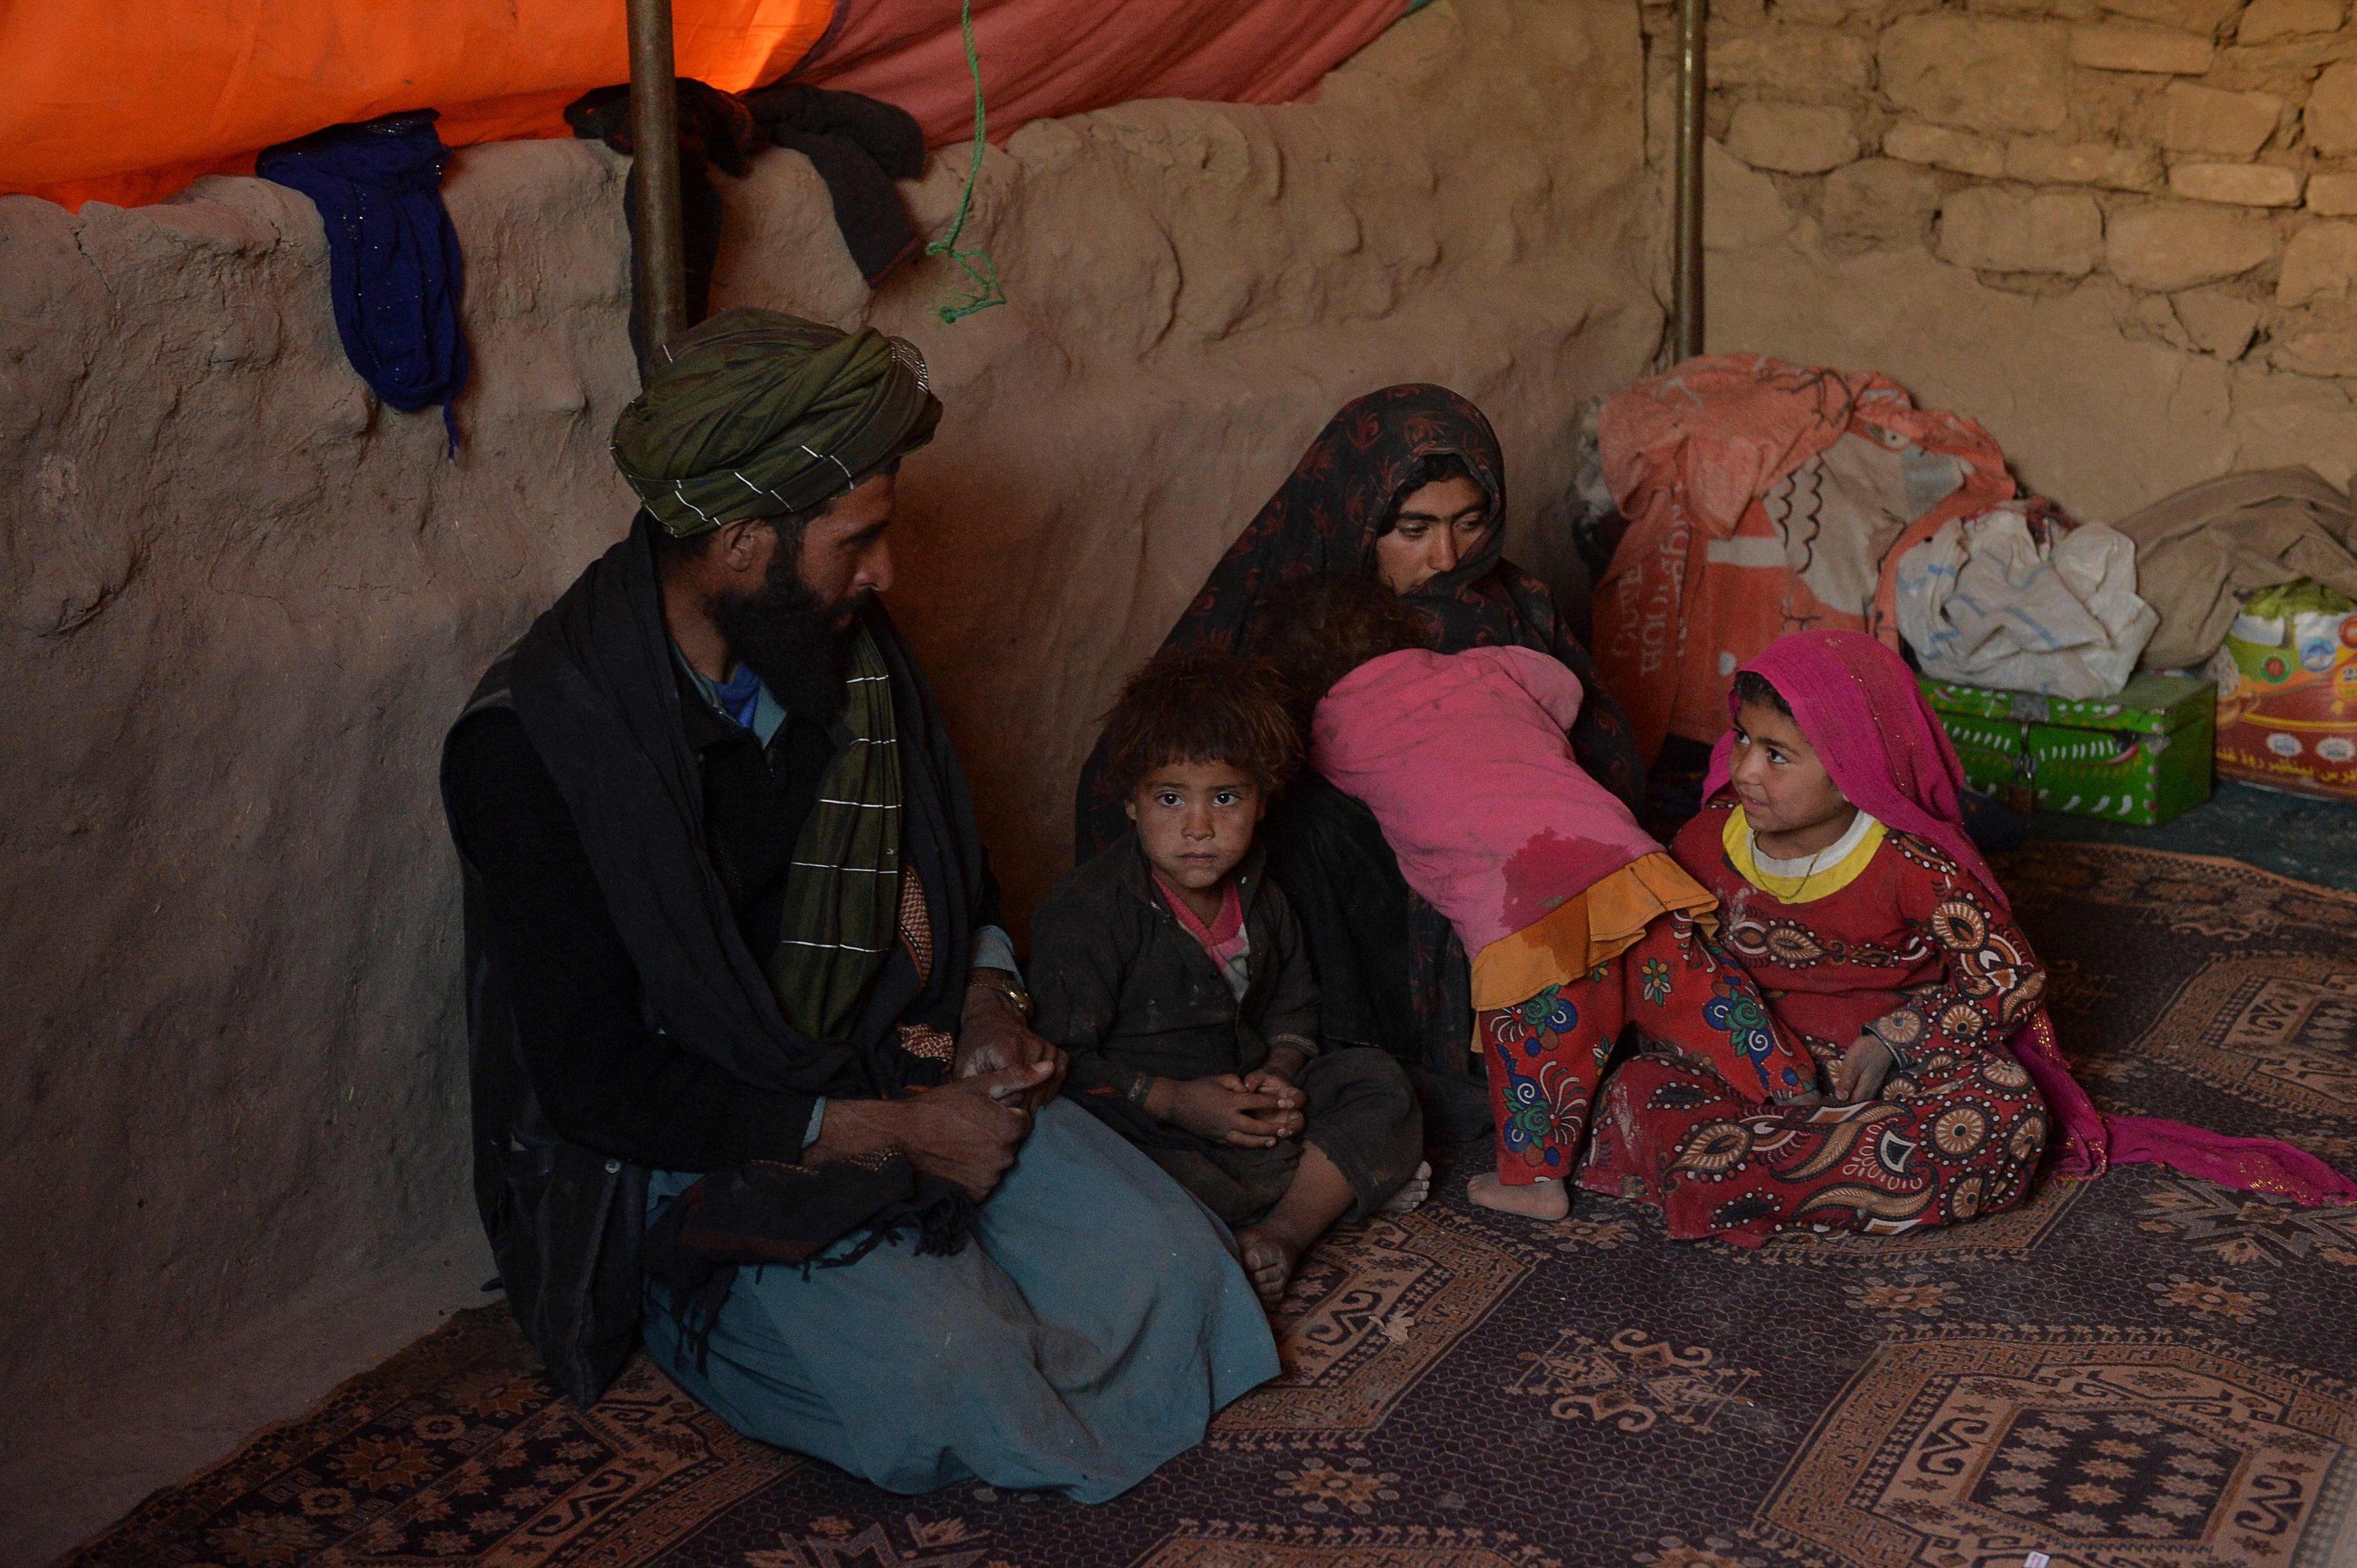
(757, 412)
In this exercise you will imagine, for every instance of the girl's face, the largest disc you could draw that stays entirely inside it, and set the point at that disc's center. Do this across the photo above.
(1438, 525)
(1196, 820)
(1784, 789)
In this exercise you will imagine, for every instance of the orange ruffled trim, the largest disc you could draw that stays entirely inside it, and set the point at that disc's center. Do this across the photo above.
(1591, 929)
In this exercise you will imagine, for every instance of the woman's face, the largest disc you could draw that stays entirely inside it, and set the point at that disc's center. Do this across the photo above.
(1438, 525)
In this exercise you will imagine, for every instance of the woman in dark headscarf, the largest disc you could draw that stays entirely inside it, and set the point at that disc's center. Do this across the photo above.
(1406, 485)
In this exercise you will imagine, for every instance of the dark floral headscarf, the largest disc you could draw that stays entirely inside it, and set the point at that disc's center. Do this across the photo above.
(1324, 522)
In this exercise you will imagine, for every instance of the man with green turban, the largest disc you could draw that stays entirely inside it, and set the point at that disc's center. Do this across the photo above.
(737, 995)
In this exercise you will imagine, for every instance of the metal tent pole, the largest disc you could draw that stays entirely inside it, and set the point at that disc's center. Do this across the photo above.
(1686, 278)
(654, 167)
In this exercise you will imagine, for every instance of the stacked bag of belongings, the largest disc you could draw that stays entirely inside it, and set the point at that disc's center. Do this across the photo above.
(1764, 498)
(2023, 599)
(2254, 576)
(2027, 627)
(2078, 667)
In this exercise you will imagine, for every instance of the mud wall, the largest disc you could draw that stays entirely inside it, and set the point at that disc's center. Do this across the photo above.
(243, 600)
(2118, 233)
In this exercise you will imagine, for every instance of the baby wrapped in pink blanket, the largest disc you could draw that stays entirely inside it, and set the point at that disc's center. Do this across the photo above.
(1578, 921)
(1463, 759)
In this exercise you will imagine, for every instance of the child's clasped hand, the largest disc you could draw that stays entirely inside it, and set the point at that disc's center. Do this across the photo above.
(1859, 1073)
(1227, 1108)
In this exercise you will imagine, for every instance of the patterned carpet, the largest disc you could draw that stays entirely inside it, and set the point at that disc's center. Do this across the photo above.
(2139, 1372)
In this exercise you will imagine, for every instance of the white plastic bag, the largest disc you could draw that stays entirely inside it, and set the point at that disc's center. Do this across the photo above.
(1985, 603)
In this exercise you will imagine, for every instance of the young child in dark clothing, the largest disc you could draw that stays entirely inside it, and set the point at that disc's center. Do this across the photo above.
(1172, 973)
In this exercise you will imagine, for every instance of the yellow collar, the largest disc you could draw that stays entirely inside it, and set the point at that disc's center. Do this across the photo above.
(1857, 853)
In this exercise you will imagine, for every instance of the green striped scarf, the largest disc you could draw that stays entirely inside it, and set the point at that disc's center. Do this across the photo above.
(843, 896)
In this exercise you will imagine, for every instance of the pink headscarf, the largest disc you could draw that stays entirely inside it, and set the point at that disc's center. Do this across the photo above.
(1857, 705)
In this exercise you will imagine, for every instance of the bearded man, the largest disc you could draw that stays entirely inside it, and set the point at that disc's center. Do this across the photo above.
(737, 995)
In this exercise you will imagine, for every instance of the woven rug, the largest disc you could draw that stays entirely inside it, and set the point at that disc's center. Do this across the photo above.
(2143, 1371)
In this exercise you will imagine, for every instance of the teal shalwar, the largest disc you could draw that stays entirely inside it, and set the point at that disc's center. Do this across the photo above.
(1087, 1333)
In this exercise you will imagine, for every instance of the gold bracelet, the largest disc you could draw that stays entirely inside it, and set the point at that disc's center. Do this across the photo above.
(1008, 988)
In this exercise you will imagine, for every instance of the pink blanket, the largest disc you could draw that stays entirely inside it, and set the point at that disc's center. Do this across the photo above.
(1462, 759)
(1043, 58)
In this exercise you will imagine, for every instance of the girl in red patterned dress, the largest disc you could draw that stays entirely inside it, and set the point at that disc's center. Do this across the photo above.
(1879, 938)
(1831, 836)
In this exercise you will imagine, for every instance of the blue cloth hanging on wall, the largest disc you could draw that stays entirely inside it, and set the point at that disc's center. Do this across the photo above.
(392, 258)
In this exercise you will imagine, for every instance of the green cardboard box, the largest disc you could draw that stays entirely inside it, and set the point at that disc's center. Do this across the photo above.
(2143, 755)
(1953, 699)
(1990, 749)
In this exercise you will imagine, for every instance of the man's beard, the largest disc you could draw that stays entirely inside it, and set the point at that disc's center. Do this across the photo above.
(794, 642)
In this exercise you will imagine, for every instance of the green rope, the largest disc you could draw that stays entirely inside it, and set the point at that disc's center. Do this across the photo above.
(980, 272)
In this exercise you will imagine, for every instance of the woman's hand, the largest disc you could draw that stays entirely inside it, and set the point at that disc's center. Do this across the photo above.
(1226, 1110)
(966, 1132)
(993, 1036)
(1859, 1073)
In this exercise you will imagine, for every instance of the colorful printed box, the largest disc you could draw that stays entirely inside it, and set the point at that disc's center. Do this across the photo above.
(2287, 681)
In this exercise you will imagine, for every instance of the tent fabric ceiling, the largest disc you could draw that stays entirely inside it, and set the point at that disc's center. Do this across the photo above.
(126, 100)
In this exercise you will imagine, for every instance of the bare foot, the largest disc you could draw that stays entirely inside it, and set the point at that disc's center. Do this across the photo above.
(1542, 1200)
(1268, 1259)
(1412, 1192)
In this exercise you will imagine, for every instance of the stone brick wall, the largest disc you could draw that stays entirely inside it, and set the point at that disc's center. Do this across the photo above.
(2200, 154)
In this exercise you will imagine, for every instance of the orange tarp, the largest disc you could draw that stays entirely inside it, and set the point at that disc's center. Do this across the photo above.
(127, 100)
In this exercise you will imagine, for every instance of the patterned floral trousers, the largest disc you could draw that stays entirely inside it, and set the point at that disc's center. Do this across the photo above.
(1957, 1138)
(1546, 1056)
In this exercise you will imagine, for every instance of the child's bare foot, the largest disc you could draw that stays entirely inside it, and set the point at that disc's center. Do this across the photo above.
(1412, 1192)
(1542, 1200)
(1318, 1195)
(1269, 1256)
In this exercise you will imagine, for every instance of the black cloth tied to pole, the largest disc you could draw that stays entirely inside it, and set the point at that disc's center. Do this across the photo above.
(713, 131)
(859, 146)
